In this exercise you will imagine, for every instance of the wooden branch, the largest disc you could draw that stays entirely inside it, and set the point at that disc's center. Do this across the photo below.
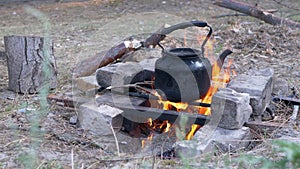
(89, 65)
(255, 12)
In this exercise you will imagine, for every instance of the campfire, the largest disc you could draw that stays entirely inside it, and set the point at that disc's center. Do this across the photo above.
(174, 93)
(199, 104)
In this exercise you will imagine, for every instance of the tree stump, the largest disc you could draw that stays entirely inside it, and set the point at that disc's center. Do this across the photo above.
(31, 63)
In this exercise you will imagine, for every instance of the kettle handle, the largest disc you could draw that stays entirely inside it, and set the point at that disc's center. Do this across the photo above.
(184, 25)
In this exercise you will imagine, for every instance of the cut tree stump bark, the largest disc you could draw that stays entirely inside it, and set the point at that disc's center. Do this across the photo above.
(256, 12)
(31, 63)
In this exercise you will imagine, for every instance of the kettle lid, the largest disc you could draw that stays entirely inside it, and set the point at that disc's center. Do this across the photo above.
(183, 52)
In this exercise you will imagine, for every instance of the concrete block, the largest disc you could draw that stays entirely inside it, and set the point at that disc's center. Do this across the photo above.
(210, 139)
(104, 74)
(142, 54)
(192, 148)
(127, 144)
(201, 143)
(119, 74)
(87, 83)
(98, 119)
(231, 140)
(148, 64)
(233, 107)
(258, 84)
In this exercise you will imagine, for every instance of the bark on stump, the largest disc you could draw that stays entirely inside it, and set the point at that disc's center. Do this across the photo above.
(31, 63)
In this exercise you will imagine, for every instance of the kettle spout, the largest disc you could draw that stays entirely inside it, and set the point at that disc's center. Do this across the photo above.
(222, 57)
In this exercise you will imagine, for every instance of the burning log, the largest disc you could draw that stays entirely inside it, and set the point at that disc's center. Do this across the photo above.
(143, 113)
(256, 12)
(147, 96)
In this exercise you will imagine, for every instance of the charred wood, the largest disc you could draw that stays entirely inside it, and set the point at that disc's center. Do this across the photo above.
(172, 116)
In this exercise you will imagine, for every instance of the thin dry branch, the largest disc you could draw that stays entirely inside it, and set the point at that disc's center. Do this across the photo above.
(255, 12)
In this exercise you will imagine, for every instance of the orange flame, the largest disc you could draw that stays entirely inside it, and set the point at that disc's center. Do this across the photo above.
(218, 82)
(149, 138)
(155, 125)
(168, 104)
(190, 135)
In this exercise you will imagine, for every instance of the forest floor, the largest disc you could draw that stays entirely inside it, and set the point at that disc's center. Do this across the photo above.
(83, 28)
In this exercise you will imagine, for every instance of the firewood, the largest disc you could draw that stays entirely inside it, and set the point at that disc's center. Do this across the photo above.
(256, 12)
(89, 65)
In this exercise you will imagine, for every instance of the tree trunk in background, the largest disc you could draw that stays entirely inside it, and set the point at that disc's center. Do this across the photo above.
(29, 69)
